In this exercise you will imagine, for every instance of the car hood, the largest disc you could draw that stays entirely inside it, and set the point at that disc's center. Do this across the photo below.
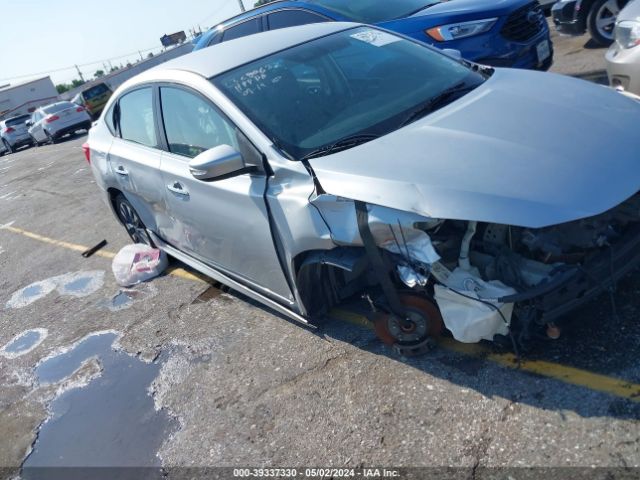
(525, 148)
(463, 7)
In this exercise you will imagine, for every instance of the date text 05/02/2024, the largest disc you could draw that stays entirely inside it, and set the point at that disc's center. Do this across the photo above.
(316, 472)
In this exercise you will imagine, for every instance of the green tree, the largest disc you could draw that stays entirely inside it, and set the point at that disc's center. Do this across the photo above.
(99, 74)
(262, 2)
(76, 83)
(63, 87)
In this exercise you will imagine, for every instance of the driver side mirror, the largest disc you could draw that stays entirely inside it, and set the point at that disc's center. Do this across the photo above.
(29, 123)
(217, 162)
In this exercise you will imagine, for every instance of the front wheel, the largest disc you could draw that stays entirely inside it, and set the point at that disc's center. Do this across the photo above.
(131, 221)
(602, 20)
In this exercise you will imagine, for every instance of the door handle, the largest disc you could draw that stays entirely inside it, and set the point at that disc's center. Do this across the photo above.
(176, 187)
(120, 170)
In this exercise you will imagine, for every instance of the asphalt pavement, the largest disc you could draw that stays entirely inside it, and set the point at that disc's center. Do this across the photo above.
(179, 373)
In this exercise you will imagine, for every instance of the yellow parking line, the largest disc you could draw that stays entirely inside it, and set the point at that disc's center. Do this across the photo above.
(174, 271)
(57, 243)
(566, 374)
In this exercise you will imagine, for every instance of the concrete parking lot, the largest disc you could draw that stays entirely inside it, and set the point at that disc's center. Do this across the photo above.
(179, 373)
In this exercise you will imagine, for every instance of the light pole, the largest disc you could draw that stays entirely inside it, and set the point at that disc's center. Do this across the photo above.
(241, 5)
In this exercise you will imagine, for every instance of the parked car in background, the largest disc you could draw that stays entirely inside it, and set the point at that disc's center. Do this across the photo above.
(94, 98)
(623, 57)
(13, 133)
(281, 168)
(546, 5)
(598, 17)
(49, 124)
(509, 33)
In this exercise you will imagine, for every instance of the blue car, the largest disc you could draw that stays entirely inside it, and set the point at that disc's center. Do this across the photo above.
(500, 33)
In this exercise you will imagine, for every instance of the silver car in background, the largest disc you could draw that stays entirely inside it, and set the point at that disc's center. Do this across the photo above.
(14, 134)
(316, 164)
(50, 123)
(623, 57)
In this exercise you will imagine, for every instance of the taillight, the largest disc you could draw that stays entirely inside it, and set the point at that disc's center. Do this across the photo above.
(79, 109)
(10, 130)
(87, 152)
(52, 118)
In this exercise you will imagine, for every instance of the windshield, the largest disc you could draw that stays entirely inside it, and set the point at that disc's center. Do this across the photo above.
(361, 81)
(366, 11)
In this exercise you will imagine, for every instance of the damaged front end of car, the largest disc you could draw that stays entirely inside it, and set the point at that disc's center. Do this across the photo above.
(482, 281)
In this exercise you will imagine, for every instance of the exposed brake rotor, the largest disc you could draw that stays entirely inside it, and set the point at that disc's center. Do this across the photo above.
(414, 334)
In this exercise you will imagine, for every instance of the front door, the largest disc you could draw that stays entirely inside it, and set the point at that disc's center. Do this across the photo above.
(224, 222)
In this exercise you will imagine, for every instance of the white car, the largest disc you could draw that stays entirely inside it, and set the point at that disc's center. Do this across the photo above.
(49, 124)
(623, 57)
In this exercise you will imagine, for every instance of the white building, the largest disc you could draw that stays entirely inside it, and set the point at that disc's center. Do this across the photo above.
(25, 97)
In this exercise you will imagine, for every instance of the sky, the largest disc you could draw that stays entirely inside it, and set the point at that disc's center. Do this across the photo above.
(38, 37)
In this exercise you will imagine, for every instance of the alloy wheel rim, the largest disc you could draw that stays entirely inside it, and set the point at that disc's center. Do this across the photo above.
(606, 18)
(132, 223)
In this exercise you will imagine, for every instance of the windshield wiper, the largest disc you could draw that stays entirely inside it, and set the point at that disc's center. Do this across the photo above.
(342, 144)
(437, 101)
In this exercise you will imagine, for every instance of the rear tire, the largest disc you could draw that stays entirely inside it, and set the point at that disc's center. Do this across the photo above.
(131, 221)
(7, 146)
(602, 19)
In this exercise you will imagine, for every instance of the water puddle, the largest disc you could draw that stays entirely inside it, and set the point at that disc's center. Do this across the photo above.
(109, 422)
(76, 284)
(126, 297)
(23, 343)
(31, 293)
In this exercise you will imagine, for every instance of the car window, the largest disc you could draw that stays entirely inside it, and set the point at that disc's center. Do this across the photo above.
(95, 91)
(109, 119)
(366, 11)
(17, 120)
(216, 38)
(308, 97)
(135, 119)
(58, 107)
(242, 30)
(192, 124)
(291, 18)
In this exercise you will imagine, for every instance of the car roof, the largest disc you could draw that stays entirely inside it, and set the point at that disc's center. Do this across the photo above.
(225, 56)
(205, 38)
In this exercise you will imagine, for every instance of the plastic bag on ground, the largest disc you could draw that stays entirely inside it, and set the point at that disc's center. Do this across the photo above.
(470, 320)
(138, 263)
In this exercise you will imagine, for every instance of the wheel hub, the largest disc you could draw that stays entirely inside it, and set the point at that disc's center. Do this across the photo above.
(413, 334)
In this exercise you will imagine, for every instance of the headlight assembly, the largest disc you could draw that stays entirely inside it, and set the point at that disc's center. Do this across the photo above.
(454, 31)
(627, 34)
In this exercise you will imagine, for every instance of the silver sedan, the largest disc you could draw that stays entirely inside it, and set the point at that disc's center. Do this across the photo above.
(311, 165)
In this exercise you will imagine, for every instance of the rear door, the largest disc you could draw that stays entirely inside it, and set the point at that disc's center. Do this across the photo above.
(223, 223)
(134, 156)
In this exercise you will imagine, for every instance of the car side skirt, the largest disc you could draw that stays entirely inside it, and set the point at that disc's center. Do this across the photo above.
(225, 279)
